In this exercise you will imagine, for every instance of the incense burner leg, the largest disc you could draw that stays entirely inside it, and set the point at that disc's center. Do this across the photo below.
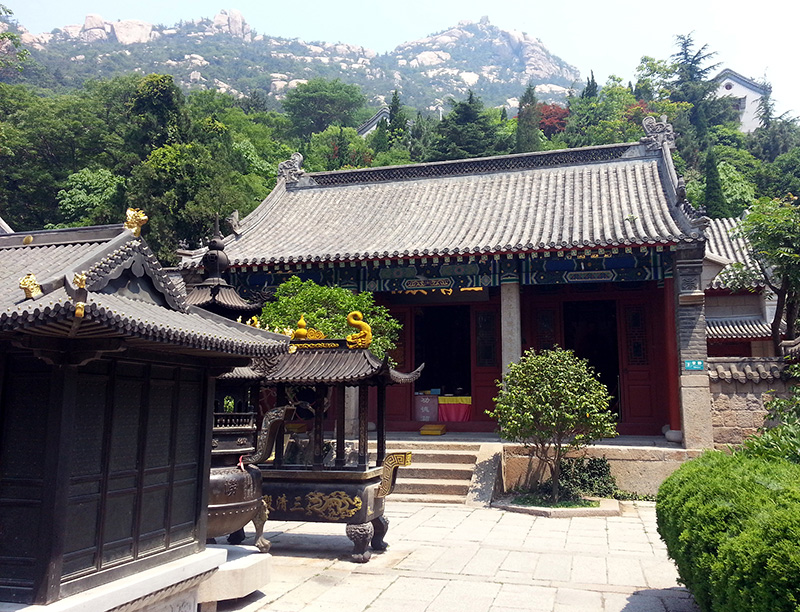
(259, 519)
(360, 534)
(381, 526)
(237, 537)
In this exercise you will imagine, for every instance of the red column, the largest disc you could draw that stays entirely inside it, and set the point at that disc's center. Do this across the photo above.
(672, 359)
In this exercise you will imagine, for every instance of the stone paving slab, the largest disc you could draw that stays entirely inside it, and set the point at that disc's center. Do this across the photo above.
(467, 559)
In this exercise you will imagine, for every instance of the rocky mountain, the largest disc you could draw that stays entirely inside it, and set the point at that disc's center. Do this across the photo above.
(226, 54)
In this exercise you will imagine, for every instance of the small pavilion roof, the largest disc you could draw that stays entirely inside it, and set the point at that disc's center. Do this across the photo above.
(611, 195)
(222, 296)
(332, 362)
(127, 294)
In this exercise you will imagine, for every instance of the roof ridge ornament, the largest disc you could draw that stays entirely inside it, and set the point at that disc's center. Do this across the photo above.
(134, 220)
(363, 338)
(657, 133)
(292, 169)
(29, 285)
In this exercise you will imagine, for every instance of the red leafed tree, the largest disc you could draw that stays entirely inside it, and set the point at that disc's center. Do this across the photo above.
(553, 119)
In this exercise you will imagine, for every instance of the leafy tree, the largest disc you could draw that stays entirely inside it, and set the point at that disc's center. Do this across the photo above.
(326, 309)
(528, 135)
(92, 197)
(553, 403)
(653, 79)
(612, 115)
(182, 186)
(157, 109)
(553, 119)
(320, 103)
(781, 176)
(772, 228)
(339, 147)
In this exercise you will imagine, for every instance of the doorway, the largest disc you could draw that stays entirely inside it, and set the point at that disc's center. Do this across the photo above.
(590, 329)
(442, 343)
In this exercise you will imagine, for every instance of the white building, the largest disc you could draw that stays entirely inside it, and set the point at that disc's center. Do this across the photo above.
(746, 92)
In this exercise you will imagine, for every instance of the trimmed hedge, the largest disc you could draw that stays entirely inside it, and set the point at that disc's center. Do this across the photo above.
(731, 523)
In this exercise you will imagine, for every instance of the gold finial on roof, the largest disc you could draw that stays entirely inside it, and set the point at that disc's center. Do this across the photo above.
(300, 333)
(134, 220)
(80, 308)
(254, 322)
(29, 285)
(363, 338)
(79, 280)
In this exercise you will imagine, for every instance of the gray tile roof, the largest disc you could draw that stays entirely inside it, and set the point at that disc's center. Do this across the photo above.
(737, 250)
(728, 328)
(616, 195)
(104, 254)
(755, 369)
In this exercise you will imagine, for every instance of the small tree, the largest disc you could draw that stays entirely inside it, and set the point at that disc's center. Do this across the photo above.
(772, 228)
(553, 403)
(326, 309)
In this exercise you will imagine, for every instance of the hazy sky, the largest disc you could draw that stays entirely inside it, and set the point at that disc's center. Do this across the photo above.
(757, 39)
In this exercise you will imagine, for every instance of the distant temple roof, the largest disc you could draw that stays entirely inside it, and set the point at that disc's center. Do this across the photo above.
(721, 243)
(594, 197)
(371, 123)
(104, 282)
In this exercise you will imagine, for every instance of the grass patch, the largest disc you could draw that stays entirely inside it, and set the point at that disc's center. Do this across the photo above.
(539, 499)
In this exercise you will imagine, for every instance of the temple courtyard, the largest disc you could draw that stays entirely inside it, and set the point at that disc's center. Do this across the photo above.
(459, 558)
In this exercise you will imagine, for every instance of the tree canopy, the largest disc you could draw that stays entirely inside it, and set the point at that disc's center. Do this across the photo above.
(325, 309)
(313, 106)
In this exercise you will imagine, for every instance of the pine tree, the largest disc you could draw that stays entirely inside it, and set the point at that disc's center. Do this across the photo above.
(466, 131)
(379, 140)
(590, 91)
(398, 122)
(529, 136)
(716, 206)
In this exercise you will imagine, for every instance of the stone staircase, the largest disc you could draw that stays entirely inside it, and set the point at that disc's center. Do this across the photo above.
(440, 471)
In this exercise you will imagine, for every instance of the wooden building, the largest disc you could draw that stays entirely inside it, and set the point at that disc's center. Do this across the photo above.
(106, 391)
(594, 249)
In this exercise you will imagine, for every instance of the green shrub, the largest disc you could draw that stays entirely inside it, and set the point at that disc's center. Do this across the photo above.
(553, 403)
(583, 476)
(766, 560)
(724, 520)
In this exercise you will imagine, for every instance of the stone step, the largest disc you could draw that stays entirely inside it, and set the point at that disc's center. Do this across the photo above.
(429, 498)
(453, 471)
(404, 445)
(436, 456)
(435, 486)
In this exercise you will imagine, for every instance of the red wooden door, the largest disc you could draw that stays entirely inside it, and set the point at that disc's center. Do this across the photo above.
(639, 373)
(486, 366)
